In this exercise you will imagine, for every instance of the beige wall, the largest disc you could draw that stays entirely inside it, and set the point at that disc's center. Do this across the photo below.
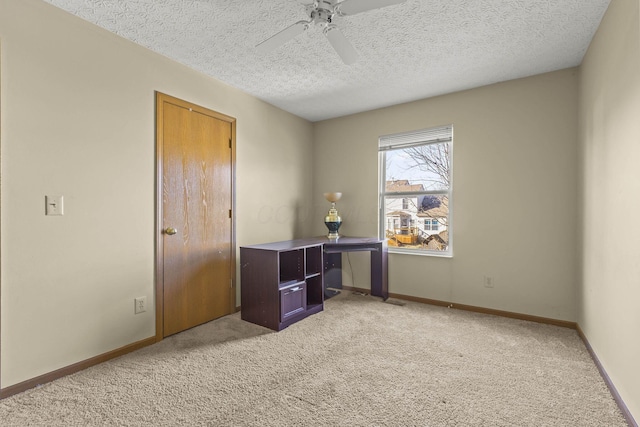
(514, 203)
(78, 120)
(610, 142)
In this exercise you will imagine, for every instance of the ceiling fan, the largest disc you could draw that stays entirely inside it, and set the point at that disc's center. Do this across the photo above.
(326, 14)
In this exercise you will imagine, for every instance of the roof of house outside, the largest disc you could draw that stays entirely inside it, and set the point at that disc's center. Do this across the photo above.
(399, 213)
(441, 211)
(399, 185)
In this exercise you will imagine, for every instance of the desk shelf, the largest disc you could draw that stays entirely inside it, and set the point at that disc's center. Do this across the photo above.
(313, 260)
(281, 287)
(291, 265)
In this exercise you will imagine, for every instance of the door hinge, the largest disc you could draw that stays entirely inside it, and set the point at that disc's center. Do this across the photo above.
(229, 213)
(231, 283)
(229, 142)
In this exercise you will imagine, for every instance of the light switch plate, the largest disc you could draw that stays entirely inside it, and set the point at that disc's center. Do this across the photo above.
(54, 205)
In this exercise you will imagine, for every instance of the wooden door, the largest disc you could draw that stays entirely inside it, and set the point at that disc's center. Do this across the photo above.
(196, 243)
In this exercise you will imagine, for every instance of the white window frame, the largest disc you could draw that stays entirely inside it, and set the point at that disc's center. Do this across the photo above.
(438, 135)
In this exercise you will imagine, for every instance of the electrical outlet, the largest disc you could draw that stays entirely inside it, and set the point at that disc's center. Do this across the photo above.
(488, 282)
(140, 305)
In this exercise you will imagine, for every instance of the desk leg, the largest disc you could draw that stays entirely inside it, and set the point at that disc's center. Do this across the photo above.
(332, 273)
(379, 273)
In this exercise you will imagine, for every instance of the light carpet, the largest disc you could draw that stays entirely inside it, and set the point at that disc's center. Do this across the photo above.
(360, 362)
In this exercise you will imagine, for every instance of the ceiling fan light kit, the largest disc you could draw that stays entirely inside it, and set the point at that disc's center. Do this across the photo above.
(325, 14)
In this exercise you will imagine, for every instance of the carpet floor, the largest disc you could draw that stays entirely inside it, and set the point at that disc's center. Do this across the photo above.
(360, 362)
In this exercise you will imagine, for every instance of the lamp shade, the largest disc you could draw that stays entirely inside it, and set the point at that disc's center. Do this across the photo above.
(332, 197)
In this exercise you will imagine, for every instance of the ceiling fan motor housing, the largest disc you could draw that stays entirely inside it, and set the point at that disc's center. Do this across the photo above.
(323, 12)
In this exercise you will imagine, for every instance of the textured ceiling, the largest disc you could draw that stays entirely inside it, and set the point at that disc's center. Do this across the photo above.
(410, 51)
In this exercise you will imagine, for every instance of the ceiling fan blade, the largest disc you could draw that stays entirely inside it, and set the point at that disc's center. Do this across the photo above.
(338, 21)
(351, 7)
(341, 45)
(282, 37)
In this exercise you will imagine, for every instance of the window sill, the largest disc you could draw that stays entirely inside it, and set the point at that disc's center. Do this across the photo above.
(437, 254)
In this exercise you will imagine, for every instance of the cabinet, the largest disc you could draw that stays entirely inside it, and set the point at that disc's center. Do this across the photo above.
(281, 283)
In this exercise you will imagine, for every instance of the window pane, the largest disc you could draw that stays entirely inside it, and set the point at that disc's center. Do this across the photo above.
(422, 226)
(422, 168)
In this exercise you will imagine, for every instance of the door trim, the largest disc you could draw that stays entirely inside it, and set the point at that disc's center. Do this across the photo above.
(161, 98)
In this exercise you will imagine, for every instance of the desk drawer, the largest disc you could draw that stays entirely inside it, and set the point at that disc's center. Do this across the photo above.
(293, 300)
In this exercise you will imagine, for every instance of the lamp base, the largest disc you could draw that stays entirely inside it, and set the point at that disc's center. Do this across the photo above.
(333, 227)
(333, 221)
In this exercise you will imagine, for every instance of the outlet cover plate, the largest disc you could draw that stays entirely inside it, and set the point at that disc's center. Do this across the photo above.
(140, 305)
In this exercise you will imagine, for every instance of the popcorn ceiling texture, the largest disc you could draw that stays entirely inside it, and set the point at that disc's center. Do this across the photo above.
(415, 50)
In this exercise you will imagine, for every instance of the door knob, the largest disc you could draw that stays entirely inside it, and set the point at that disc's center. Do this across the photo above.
(171, 231)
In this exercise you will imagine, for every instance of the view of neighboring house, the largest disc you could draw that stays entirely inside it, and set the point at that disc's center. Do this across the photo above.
(416, 221)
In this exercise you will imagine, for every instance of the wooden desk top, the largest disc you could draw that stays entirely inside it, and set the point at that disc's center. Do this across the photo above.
(287, 245)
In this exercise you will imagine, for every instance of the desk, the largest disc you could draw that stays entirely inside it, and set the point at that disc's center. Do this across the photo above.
(284, 282)
(333, 249)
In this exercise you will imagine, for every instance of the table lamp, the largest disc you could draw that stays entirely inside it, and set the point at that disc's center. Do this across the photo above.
(332, 220)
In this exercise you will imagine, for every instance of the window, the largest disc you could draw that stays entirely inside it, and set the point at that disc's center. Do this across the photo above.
(431, 224)
(415, 191)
